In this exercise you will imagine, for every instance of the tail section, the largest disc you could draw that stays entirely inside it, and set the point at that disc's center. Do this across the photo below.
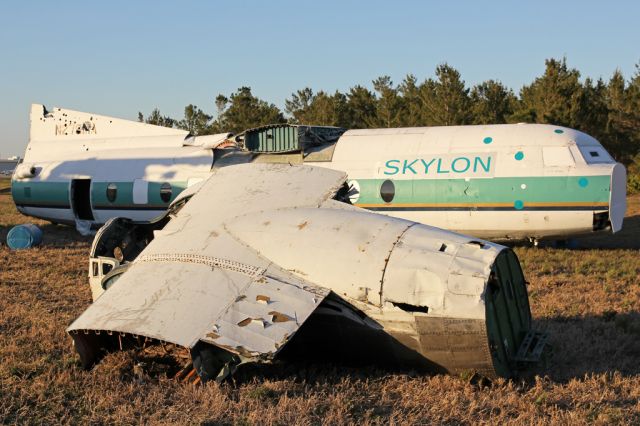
(62, 133)
(62, 123)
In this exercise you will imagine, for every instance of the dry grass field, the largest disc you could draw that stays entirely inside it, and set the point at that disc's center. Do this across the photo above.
(588, 299)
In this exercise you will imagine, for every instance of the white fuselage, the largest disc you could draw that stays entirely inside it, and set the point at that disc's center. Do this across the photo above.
(495, 181)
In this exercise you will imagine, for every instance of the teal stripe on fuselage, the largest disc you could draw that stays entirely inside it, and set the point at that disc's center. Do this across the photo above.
(549, 189)
(56, 195)
(124, 195)
(45, 194)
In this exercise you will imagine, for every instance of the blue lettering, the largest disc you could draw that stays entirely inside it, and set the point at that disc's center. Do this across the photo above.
(456, 160)
(440, 164)
(407, 166)
(485, 166)
(426, 165)
(389, 165)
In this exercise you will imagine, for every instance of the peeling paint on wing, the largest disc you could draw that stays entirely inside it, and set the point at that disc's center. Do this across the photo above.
(279, 317)
(263, 299)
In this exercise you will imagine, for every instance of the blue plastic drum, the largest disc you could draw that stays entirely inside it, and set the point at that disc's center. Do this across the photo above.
(24, 236)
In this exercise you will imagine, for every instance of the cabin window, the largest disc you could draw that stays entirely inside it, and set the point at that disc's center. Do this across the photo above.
(165, 192)
(387, 191)
(112, 192)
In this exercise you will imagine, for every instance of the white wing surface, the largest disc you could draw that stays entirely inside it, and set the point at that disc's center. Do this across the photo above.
(195, 282)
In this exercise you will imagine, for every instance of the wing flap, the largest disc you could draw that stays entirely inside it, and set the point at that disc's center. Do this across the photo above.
(269, 312)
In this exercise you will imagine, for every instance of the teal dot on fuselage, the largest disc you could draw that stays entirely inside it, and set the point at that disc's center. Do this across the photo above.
(518, 204)
(583, 182)
(487, 140)
(559, 131)
(519, 155)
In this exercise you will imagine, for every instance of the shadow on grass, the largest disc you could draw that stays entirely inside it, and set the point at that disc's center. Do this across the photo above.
(581, 346)
(593, 344)
(627, 238)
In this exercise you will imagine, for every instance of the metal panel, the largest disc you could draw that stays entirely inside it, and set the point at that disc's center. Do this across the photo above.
(140, 191)
(272, 139)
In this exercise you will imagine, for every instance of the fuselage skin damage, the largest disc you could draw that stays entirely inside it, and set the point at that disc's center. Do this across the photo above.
(265, 260)
(496, 181)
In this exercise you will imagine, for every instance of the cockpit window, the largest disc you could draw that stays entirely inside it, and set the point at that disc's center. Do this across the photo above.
(595, 155)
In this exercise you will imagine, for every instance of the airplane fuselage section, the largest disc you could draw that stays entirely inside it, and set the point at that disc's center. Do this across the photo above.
(497, 181)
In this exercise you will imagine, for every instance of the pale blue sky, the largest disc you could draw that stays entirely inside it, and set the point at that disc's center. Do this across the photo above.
(120, 57)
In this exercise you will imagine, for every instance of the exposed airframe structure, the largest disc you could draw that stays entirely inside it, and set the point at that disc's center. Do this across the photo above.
(260, 258)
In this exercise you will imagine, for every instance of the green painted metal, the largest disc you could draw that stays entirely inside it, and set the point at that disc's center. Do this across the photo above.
(272, 139)
(124, 194)
(283, 138)
(549, 189)
(508, 312)
(55, 194)
(124, 197)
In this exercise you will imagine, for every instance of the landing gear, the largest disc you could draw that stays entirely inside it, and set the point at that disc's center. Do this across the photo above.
(570, 243)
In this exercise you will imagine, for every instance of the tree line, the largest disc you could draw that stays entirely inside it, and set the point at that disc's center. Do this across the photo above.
(607, 110)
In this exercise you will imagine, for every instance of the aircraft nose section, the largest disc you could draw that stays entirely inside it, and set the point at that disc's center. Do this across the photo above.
(617, 197)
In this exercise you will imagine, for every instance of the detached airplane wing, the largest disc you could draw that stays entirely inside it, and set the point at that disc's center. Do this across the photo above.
(260, 251)
(196, 283)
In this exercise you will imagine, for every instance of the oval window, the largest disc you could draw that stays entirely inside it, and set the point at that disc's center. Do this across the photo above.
(112, 192)
(387, 191)
(165, 192)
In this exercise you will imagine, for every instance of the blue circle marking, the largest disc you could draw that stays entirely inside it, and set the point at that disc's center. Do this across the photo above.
(518, 204)
(519, 155)
(559, 131)
(487, 140)
(583, 182)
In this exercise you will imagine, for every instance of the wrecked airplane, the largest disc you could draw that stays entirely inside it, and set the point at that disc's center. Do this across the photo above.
(261, 260)
(488, 181)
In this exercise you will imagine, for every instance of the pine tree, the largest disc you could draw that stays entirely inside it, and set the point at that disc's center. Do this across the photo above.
(361, 104)
(299, 105)
(446, 100)
(195, 121)
(491, 103)
(318, 109)
(243, 111)
(411, 114)
(388, 104)
(157, 119)
(552, 97)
